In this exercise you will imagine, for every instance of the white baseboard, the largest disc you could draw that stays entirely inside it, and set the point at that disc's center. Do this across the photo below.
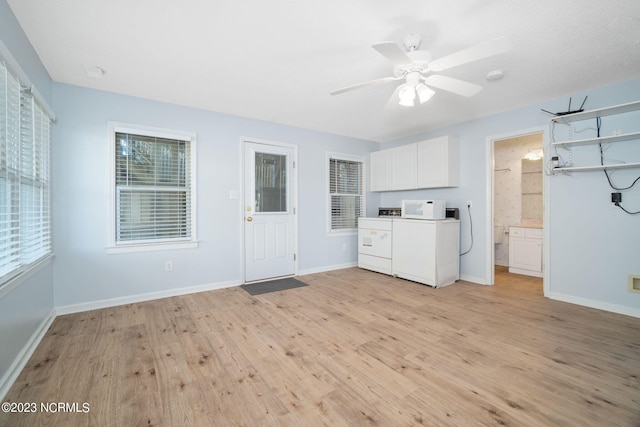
(327, 268)
(477, 280)
(25, 354)
(614, 308)
(113, 302)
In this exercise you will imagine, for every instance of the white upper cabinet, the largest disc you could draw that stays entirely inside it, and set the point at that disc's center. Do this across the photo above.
(438, 162)
(394, 168)
(380, 171)
(404, 167)
(426, 164)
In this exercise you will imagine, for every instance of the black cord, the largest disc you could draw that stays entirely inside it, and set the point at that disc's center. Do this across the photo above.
(471, 231)
(629, 212)
(611, 184)
(553, 139)
(598, 124)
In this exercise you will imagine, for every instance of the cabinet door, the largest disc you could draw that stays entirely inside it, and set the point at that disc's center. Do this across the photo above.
(413, 252)
(525, 253)
(404, 167)
(438, 162)
(380, 170)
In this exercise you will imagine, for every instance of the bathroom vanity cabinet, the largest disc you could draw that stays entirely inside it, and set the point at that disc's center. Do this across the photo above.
(525, 250)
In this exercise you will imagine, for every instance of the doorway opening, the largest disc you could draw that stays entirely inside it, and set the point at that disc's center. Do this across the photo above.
(517, 198)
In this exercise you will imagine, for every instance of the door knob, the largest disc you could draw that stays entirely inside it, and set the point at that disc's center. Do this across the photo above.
(249, 219)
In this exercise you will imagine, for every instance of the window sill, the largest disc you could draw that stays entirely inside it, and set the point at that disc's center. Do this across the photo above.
(121, 249)
(21, 276)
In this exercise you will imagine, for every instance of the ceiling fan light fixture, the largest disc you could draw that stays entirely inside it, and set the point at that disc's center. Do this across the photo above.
(416, 68)
(534, 155)
(407, 94)
(424, 93)
(412, 41)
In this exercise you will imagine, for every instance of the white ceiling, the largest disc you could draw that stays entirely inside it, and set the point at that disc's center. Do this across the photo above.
(277, 60)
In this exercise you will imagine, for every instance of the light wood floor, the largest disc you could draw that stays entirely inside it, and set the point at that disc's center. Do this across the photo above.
(354, 348)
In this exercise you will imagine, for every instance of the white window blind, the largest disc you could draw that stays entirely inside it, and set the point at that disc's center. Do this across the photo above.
(25, 211)
(346, 193)
(153, 189)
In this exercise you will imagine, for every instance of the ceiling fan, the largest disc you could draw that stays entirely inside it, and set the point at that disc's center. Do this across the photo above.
(416, 68)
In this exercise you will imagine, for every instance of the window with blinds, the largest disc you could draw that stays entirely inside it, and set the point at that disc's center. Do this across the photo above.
(346, 193)
(153, 188)
(25, 211)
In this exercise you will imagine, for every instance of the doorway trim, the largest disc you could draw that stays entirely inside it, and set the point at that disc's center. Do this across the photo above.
(294, 198)
(490, 162)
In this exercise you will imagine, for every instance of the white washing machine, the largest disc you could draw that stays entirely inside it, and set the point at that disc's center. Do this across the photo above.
(374, 244)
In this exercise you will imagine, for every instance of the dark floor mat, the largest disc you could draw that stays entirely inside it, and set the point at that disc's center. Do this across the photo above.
(273, 286)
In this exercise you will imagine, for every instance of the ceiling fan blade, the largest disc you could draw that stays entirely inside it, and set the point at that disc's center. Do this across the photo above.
(459, 87)
(393, 53)
(363, 84)
(470, 54)
(392, 103)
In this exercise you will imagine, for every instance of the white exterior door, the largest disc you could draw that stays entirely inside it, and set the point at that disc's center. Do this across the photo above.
(269, 211)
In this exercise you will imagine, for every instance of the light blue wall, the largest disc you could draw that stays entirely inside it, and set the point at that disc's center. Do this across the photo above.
(27, 306)
(85, 273)
(593, 246)
(23, 313)
(18, 44)
(473, 184)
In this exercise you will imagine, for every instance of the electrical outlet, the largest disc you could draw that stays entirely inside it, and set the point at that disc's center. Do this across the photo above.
(616, 198)
(617, 132)
(168, 266)
(469, 203)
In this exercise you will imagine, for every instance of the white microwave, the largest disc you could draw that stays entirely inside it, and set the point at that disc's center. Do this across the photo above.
(423, 209)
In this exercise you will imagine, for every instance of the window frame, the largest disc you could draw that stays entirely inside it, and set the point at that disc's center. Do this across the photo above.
(362, 193)
(114, 246)
(29, 168)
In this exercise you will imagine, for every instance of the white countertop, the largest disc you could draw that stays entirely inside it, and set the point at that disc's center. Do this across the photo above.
(527, 225)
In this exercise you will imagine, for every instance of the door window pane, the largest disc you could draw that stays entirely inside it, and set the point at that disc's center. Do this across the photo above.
(270, 182)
